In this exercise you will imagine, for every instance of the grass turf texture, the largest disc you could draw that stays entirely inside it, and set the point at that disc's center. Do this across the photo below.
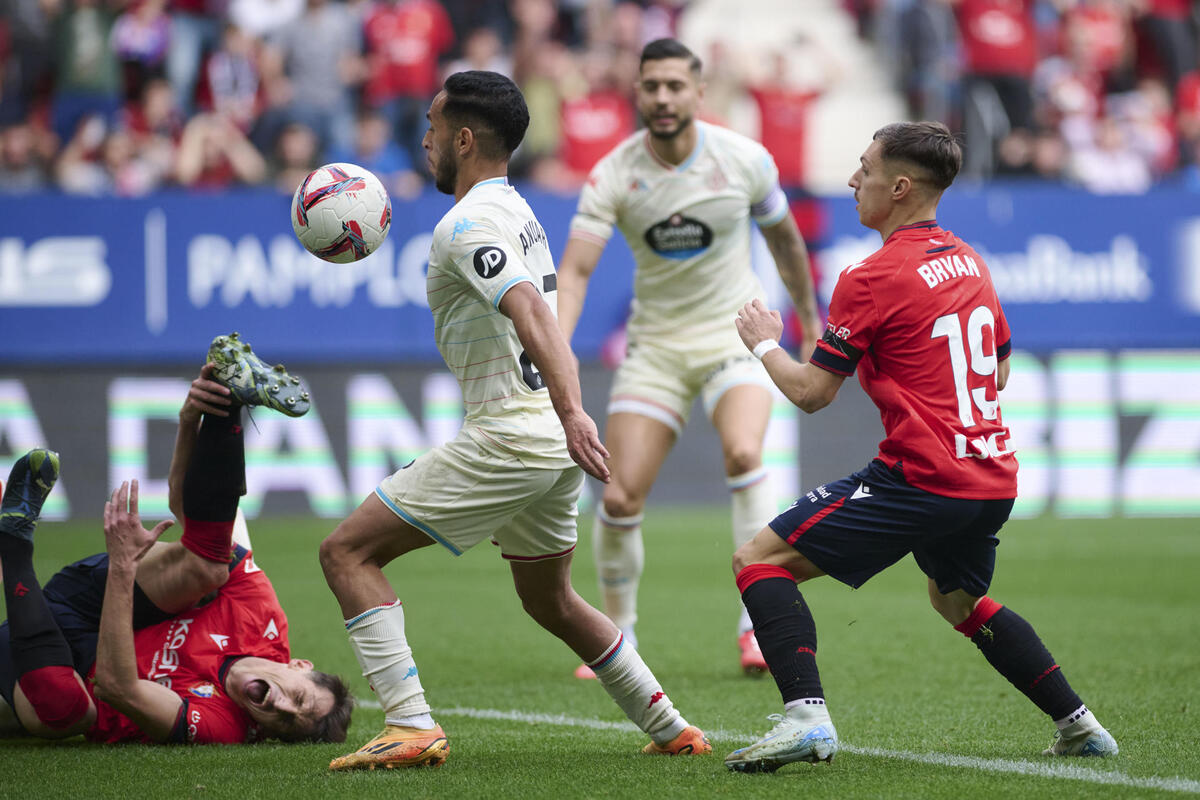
(919, 711)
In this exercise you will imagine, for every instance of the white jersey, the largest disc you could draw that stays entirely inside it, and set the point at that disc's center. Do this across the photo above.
(687, 225)
(489, 242)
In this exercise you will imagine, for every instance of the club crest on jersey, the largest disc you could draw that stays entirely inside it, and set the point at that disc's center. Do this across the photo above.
(489, 261)
(679, 237)
(203, 690)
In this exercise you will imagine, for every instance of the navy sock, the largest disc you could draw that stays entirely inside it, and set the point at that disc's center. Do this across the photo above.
(36, 639)
(1010, 644)
(216, 474)
(784, 627)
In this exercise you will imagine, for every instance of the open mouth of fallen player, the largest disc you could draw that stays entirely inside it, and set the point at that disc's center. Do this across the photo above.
(257, 691)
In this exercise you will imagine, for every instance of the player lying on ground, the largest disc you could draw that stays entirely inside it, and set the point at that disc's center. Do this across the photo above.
(512, 475)
(181, 642)
(920, 321)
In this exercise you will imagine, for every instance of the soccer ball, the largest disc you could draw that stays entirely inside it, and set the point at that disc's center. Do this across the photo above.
(341, 213)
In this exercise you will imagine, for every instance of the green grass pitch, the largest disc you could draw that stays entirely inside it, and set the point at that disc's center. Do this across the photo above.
(919, 711)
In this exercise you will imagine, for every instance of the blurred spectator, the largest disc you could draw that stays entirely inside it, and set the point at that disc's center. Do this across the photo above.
(29, 28)
(155, 125)
(535, 24)
(785, 91)
(261, 19)
(921, 38)
(1108, 164)
(595, 116)
(311, 64)
(1000, 51)
(231, 78)
(1099, 35)
(466, 15)
(87, 75)
(404, 41)
(1187, 116)
(1145, 116)
(375, 150)
(296, 155)
(21, 169)
(541, 86)
(195, 27)
(482, 49)
(140, 38)
(1169, 29)
(215, 154)
(100, 162)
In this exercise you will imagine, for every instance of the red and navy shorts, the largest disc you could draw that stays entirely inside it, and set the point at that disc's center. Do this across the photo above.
(860, 525)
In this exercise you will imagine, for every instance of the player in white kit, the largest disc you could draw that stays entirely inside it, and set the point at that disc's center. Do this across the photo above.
(682, 193)
(511, 474)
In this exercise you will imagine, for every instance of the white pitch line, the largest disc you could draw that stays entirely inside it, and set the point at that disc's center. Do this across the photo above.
(1058, 770)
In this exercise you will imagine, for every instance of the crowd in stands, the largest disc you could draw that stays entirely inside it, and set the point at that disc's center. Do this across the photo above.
(123, 97)
(1104, 94)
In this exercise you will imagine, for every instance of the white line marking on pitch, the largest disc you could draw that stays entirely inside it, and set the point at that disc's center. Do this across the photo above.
(1065, 771)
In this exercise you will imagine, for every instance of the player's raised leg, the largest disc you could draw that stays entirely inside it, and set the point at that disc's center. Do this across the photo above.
(637, 446)
(741, 416)
(254, 382)
(767, 569)
(352, 558)
(39, 675)
(1013, 648)
(544, 587)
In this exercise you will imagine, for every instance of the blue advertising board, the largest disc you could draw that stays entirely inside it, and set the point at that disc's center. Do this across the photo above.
(115, 280)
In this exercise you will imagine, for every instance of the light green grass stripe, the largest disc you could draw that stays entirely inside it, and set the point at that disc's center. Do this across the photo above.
(1053, 770)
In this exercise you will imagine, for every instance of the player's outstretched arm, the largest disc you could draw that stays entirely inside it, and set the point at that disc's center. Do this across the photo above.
(575, 269)
(548, 350)
(153, 707)
(807, 386)
(791, 259)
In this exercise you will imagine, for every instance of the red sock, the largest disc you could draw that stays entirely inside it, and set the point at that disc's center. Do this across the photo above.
(209, 540)
(56, 696)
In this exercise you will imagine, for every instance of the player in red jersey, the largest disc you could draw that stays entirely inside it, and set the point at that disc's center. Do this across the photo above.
(920, 322)
(180, 642)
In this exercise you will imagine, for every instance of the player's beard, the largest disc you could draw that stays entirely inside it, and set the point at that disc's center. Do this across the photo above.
(680, 127)
(445, 174)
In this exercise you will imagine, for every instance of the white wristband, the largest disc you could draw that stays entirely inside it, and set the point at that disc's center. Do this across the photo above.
(764, 347)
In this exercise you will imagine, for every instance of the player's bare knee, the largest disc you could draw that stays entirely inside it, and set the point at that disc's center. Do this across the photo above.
(740, 459)
(332, 554)
(619, 503)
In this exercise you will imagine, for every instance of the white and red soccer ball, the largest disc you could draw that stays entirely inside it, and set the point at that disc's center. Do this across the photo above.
(341, 213)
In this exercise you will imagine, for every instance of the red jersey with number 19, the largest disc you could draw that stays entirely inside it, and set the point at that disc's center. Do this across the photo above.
(920, 320)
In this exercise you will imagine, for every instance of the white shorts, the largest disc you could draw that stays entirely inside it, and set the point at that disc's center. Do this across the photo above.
(661, 378)
(461, 495)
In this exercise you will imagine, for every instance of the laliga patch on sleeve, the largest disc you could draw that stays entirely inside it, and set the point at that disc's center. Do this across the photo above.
(489, 261)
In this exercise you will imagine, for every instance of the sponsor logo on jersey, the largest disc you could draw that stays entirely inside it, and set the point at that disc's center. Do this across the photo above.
(250, 565)
(203, 690)
(461, 226)
(490, 260)
(271, 632)
(220, 638)
(532, 234)
(679, 237)
(166, 661)
(862, 491)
